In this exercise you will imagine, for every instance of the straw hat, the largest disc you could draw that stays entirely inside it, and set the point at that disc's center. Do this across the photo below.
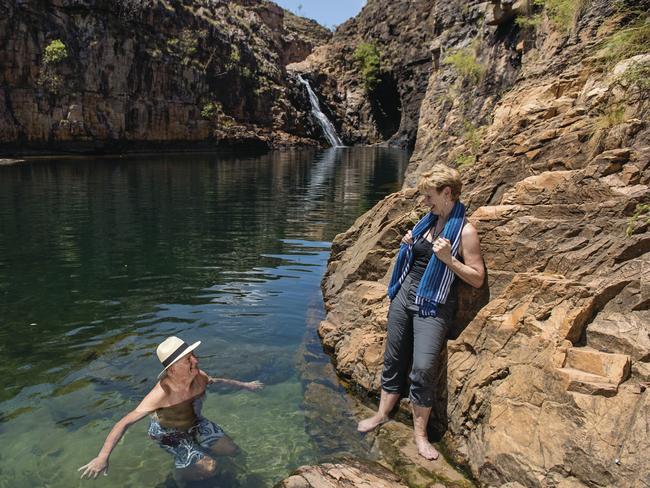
(171, 350)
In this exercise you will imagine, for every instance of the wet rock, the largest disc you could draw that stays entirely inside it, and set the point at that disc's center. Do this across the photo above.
(350, 472)
(396, 447)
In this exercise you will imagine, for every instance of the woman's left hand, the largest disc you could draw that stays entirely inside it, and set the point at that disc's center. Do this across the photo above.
(442, 249)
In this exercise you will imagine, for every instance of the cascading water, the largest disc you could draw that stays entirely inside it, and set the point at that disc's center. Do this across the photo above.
(328, 128)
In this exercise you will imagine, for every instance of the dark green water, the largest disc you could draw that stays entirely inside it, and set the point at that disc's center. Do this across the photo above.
(101, 259)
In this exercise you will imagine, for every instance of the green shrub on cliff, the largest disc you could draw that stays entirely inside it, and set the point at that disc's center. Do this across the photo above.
(611, 116)
(235, 57)
(529, 21)
(466, 64)
(246, 73)
(561, 13)
(54, 53)
(368, 58)
(472, 137)
(465, 160)
(630, 41)
(642, 211)
(211, 110)
(185, 46)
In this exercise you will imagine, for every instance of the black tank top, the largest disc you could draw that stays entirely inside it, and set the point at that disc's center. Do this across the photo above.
(422, 252)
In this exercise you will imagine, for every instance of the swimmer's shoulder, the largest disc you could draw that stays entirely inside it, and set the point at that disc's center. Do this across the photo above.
(157, 398)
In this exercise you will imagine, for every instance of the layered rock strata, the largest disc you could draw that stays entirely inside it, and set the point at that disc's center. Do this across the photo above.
(547, 383)
(146, 74)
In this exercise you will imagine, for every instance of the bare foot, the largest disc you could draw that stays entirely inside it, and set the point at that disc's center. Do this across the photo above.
(425, 448)
(371, 423)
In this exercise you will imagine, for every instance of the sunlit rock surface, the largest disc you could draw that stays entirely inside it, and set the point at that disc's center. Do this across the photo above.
(547, 385)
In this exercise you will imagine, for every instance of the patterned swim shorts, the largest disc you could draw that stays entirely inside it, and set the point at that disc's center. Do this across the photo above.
(186, 445)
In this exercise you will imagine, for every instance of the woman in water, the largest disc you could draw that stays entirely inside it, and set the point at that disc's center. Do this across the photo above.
(441, 247)
(176, 422)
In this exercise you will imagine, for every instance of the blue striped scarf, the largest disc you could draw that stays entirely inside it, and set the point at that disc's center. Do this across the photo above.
(438, 278)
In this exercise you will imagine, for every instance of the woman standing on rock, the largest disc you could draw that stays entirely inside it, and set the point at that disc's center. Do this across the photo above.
(441, 247)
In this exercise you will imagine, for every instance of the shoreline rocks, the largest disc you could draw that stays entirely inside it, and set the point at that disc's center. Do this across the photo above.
(547, 384)
(347, 472)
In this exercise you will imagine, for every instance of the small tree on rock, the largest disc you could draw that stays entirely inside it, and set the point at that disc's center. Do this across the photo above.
(53, 55)
(368, 58)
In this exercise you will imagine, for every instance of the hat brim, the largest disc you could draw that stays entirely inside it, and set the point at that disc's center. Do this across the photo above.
(185, 353)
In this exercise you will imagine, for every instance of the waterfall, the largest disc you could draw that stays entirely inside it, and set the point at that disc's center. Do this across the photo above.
(326, 125)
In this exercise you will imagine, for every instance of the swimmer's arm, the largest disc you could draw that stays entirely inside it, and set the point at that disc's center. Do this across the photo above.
(99, 465)
(248, 385)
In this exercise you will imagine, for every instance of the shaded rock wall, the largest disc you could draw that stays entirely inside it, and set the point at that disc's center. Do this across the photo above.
(158, 71)
(547, 384)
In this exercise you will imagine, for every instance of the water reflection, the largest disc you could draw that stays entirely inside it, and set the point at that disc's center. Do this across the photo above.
(101, 259)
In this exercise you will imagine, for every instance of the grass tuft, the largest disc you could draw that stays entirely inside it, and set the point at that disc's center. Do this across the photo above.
(611, 117)
(642, 210)
(466, 64)
(626, 43)
(562, 13)
(465, 160)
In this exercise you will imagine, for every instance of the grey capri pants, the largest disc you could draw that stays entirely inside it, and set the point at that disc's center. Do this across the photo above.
(415, 341)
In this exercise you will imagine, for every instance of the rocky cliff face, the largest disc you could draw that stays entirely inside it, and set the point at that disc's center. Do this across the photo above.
(137, 73)
(547, 118)
(412, 38)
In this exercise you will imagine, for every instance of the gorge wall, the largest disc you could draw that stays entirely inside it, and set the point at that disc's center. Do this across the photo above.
(140, 74)
(545, 112)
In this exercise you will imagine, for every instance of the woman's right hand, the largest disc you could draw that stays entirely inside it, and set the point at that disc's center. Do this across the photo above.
(94, 468)
(408, 238)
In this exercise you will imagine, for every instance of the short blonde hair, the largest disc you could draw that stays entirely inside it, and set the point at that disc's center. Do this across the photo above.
(439, 177)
